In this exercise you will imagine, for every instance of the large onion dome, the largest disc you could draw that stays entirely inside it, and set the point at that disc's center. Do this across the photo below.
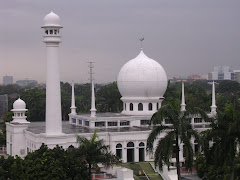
(142, 80)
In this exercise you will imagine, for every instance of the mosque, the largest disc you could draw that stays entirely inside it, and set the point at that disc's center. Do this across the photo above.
(142, 83)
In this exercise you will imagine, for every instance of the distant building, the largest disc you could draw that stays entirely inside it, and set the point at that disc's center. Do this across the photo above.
(3, 105)
(7, 80)
(29, 83)
(224, 73)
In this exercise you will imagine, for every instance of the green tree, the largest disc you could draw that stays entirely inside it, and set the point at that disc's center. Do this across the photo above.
(221, 158)
(7, 118)
(108, 98)
(35, 100)
(180, 130)
(94, 151)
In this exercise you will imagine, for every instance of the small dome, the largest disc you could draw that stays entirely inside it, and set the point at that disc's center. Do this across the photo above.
(142, 78)
(19, 104)
(52, 19)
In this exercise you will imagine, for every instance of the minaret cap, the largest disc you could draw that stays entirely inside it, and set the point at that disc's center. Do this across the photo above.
(51, 20)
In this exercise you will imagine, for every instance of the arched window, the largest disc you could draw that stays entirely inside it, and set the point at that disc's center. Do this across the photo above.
(130, 144)
(125, 106)
(131, 106)
(141, 144)
(140, 107)
(150, 106)
(119, 150)
(118, 145)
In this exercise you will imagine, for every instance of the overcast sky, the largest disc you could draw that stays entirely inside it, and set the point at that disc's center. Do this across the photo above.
(184, 36)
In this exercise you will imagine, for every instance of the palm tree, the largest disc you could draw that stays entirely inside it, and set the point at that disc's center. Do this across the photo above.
(225, 136)
(94, 151)
(178, 130)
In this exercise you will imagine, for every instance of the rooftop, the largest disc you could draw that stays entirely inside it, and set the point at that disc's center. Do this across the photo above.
(39, 127)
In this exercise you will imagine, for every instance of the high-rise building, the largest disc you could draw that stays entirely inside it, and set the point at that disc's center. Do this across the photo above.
(7, 80)
(223, 73)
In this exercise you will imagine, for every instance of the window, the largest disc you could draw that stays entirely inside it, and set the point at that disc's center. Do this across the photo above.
(112, 123)
(99, 124)
(131, 106)
(141, 144)
(130, 144)
(197, 120)
(157, 106)
(124, 123)
(220, 76)
(140, 107)
(86, 123)
(51, 31)
(74, 120)
(145, 122)
(119, 145)
(80, 121)
(233, 76)
(150, 106)
(119, 150)
(55, 31)
(46, 32)
(125, 107)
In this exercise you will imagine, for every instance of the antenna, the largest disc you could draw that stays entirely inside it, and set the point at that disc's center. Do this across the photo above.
(91, 71)
(141, 39)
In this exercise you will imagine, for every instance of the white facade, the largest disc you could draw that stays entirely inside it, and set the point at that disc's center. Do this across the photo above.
(223, 73)
(142, 83)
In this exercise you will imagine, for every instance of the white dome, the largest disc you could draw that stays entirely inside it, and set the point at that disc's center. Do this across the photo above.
(142, 78)
(52, 19)
(19, 105)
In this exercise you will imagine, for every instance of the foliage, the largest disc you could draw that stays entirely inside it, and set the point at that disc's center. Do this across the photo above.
(35, 100)
(108, 98)
(221, 159)
(45, 163)
(179, 130)
(94, 151)
(7, 118)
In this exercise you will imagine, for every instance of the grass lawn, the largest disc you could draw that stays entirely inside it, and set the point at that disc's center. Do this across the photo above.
(136, 167)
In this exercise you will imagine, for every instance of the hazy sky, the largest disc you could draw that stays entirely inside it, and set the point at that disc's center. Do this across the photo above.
(184, 36)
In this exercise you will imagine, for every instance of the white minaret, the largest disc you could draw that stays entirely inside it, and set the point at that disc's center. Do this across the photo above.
(52, 39)
(19, 109)
(183, 105)
(213, 107)
(93, 109)
(73, 107)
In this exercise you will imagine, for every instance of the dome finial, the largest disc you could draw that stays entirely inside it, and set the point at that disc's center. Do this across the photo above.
(141, 39)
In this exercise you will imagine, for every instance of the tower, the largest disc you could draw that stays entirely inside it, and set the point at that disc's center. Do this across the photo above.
(52, 39)
(93, 109)
(213, 107)
(73, 107)
(183, 105)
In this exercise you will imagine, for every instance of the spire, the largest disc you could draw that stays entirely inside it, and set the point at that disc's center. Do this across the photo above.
(141, 39)
(183, 105)
(73, 107)
(213, 107)
(93, 109)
